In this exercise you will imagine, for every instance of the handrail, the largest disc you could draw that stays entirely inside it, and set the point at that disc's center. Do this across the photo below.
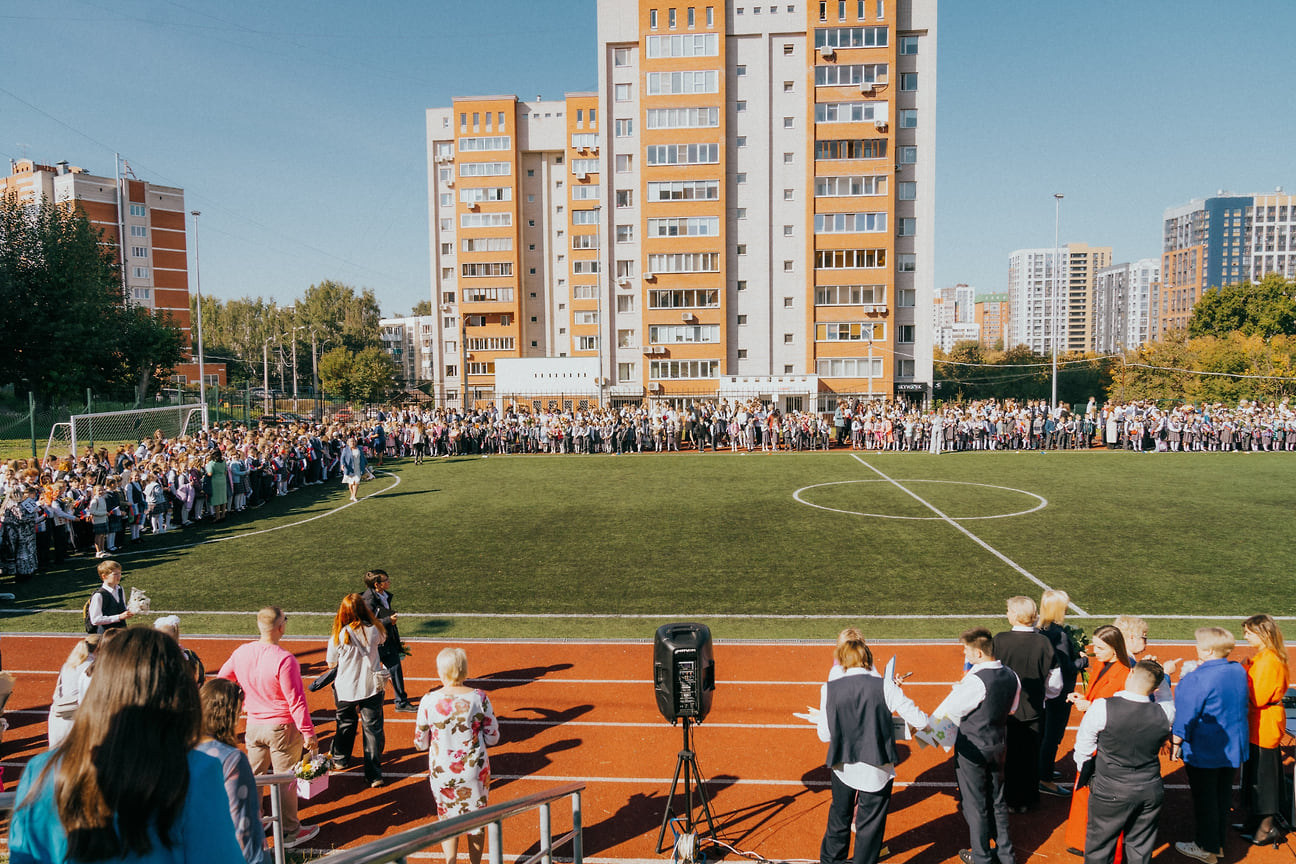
(276, 782)
(399, 846)
(8, 800)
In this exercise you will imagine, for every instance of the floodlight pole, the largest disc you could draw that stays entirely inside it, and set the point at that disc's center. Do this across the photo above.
(1057, 271)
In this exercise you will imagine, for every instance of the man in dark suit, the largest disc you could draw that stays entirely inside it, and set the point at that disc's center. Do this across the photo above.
(980, 704)
(379, 599)
(1029, 653)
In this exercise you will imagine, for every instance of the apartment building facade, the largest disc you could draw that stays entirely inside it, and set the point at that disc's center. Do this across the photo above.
(1213, 242)
(743, 207)
(1122, 304)
(144, 226)
(954, 316)
(992, 317)
(408, 340)
(1051, 301)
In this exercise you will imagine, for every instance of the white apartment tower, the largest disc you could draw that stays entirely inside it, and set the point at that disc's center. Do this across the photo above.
(1122, 304)
(744, 207)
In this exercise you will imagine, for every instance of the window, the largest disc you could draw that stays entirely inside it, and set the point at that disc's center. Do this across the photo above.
(486, 193)
(909, 81)
(668, 83)
(788, 195)
(695, 226)
(139, 251)
(904, 333)
(623, 128)
(447, 296)
(908, 44)
(625, 268)
(687, 298)
(742, 285)
(138, 210)
(850, 259)
(684, 262)
(908, 118)
(850, 37)
(740, 105)
(850, 223)
(855, 331)
(586, 343)
(141, 272)
(740, 70)
(787, 122)
(499, 142)
(485, 244)
(685, 190)
(584, 140)
(621, 92)
(621, 57)
(906, 227)
(788, 49)
(742, 353)
(584, 166)
(625, 372)
(787, 266)
(741, 141)
(666, 334)
(484, 169)
(625, 197)
(625, 233)
(742, 320)
(683, 118)
(787, 369)
(741, 213)
(699, 45)
(850, 295)
(624, 163)
(870, 148)
(850, 186)
(683, 154)
(787, 158)
(787, 230)
(625, 303)
(691, 20)
(139, 230)
(788, 338)
(904, 368)
(850, 112)
(584, 241)
(446, 199)
(444, 149)
(858, 74)
(670, 15)
(585, 318)
(710, 16)
(668, 369)
(583, 292)
(788, 302)
(849, 367)
(788, 86)
(907, 190)
(908, 155)
(652, 19)
(497, 343)
(586, 192)
(741, 249)
(906, 262)
(741, 177)
(500, 268)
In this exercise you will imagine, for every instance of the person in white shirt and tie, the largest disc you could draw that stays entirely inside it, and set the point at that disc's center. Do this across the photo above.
(108, 603)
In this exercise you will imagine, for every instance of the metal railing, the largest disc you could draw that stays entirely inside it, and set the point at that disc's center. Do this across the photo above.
(399, 846)
(276, 782)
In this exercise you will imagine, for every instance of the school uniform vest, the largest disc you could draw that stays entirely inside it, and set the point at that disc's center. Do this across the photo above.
(983, 733)
(860, 722)
(1030, 655)
(111, 606)
(1129, 744)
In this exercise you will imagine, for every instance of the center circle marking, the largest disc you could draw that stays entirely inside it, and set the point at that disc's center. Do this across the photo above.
(1043, 502)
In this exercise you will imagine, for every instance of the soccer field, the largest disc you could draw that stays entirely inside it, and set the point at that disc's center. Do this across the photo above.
(757, 545)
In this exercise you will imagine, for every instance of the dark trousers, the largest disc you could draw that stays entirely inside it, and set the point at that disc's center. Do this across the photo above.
(1021, 763)
(1262, 783)
(1118, 808)
(397, 679)
(868, 809)
(981, 786)
(1212, 794)
(1056, 714)
(370, 715)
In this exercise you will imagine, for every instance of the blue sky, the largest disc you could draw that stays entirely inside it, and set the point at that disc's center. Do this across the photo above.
(298, 128)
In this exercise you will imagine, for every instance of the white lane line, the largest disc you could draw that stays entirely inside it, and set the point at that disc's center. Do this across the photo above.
(151, 551)
(975, 539)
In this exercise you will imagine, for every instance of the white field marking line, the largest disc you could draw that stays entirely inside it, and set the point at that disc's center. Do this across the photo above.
(263, 530)
(984, 545)
(1043, 502)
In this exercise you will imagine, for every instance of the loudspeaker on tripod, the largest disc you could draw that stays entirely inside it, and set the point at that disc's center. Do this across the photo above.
(683, 671)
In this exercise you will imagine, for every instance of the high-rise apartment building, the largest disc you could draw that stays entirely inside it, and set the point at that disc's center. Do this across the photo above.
(408, 340)
(1213, 242)
(1048, 308)
(954, 316)
(992, 320)
(144, 226)
(1122, 304)
(744, 207)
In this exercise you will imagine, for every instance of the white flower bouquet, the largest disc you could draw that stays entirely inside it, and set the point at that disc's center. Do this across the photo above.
(312, 774)
(138, 603)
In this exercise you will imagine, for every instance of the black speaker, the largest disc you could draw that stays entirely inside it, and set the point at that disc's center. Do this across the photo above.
(683, 671)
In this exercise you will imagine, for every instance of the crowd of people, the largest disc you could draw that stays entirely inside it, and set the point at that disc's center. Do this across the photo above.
(1011, 709)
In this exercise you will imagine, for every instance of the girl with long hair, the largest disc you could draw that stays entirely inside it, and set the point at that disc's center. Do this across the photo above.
(126, 784)
(222, 703)
(360, 684)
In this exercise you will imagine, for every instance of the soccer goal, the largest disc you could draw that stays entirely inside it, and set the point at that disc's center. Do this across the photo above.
(122, 427)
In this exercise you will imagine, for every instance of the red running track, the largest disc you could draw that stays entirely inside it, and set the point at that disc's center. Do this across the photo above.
(585, 711)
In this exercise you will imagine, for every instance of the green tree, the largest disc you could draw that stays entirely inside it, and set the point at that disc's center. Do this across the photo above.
(1264, 309)
(67, 327)
(373, 376)
(336, 369)
(423, 307)
(339, 315)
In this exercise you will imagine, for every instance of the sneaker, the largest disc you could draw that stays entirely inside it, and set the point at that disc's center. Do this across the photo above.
(1055, 790)
(306, 832)
(406, 708)
(374, 784)
(1192, 850)
(965, 855)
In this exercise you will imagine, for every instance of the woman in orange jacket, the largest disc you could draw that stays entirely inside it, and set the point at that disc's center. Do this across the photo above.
(1267, 678)
(1108, 679)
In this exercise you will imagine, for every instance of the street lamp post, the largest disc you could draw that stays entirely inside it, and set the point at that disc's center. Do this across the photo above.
(294, 353)
(265, 374)
(315, 394)
(1057, 272)
(202, 376)
(598, 292)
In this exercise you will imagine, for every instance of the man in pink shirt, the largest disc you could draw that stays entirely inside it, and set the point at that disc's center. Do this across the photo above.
(279, 723)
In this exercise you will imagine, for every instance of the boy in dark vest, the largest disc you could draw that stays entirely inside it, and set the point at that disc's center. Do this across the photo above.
(1118, 743)
(980, 704)
(107, 609)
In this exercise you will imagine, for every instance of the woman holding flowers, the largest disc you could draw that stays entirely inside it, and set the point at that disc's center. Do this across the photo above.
(456, 724)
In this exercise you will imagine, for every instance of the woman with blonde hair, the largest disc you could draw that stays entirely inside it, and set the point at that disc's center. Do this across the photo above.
(1057, 711)
(70, 689)
(1267, 681)
(456, 724)
(360, 685)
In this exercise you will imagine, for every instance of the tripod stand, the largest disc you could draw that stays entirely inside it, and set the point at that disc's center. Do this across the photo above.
(686, 766)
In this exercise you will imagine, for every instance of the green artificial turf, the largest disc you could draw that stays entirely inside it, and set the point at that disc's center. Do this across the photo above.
(480, 548)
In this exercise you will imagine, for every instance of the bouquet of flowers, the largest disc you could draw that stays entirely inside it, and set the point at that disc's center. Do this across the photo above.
(139, 601)
(1079, 646)
(312, 774)
(404, 650)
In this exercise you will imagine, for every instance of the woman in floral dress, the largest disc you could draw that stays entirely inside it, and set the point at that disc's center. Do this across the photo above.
(456, 724)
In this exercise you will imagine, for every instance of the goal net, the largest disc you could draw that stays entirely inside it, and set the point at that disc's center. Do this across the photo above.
(111, 428)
